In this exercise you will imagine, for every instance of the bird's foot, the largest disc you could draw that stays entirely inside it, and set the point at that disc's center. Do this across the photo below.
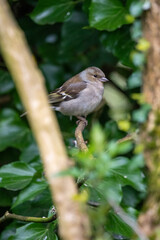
(83, 119)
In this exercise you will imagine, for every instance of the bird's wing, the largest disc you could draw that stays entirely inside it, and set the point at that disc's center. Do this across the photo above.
(69, 90)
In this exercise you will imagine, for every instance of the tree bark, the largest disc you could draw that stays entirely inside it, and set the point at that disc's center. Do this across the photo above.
(73, 222)
(150, 219)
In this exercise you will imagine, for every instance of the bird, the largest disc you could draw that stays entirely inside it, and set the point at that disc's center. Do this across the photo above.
(80, 95)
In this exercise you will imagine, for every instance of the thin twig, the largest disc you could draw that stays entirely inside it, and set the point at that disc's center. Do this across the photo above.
(79, 137)
(8, 215)
(126, 138)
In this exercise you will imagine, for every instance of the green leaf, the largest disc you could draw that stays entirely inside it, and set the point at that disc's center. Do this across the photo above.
(115, 148)
(29, 153)
(31, 192)
(75, 39)
(130, 196)
(38, 231)
(97, 138)
(125, 176)
(51, 11)
(111, 191)
(137, 161)
(136, 8)
(16, 175)
(116, 226)
(13, 132)
(135, 80)
(6, 82)
(38, 206)
(107, 14)
(141, 114)
(94, 194)
(115, 42)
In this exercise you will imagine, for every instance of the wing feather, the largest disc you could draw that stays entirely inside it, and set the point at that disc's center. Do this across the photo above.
(69, 90)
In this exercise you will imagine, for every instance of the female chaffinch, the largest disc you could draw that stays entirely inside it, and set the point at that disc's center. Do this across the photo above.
(80, 95)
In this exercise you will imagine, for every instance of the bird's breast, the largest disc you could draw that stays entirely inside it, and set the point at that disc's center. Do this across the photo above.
(85, 103)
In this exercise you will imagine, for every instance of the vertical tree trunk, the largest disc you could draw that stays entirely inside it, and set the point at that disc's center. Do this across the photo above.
(150, 219)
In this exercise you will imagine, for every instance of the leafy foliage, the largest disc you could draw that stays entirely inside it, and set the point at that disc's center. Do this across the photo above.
(33, 231)
(16, 175)
(52, 11)
(107, 14)
(66, 37)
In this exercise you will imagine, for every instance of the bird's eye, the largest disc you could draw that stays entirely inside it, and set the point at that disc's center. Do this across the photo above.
(95, 76)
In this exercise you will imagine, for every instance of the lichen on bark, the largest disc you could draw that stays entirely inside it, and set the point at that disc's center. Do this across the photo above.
(150, 218)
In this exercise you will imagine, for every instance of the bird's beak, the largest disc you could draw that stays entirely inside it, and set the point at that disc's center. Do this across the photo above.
(103, 79)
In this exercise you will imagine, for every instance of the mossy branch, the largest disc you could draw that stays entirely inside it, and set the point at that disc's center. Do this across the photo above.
(8, 215)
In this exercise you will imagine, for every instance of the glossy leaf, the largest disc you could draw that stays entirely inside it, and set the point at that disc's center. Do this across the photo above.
(107, 14)
(36, 206)
(29, 153)
(13, 132)
(31, 191)
(111, 191)
(129, 177)
(115, 42)
(51, 11)
(32, 231)
(118, 227)
(16, 175)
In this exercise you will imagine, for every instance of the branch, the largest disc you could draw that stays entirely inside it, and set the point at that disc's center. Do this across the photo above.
(8, 215)
(128, 137)
(73, 221)
(79, 137)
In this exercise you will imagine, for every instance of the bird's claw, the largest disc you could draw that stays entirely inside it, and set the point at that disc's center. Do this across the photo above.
(82, 119)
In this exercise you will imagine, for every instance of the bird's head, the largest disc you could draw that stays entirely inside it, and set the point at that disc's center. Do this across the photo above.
(94, 74)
